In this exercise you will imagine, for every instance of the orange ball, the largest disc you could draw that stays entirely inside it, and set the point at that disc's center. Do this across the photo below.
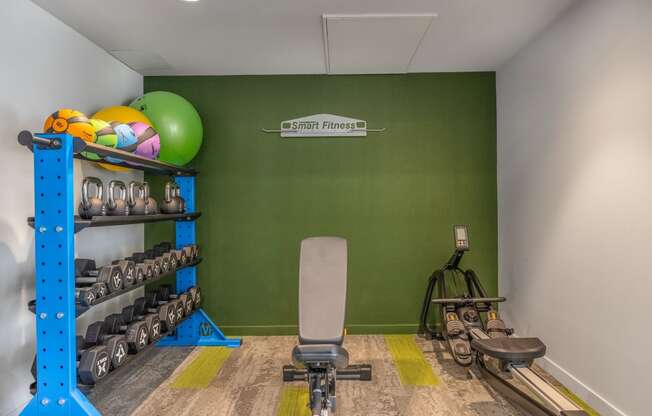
(72, 122)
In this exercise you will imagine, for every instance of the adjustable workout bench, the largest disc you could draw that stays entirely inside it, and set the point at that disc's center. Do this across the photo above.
(320, 358)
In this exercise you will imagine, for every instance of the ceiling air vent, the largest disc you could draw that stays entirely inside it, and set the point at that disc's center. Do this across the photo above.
(372, 43)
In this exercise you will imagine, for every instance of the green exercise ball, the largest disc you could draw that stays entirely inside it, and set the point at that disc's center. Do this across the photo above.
(177, 123)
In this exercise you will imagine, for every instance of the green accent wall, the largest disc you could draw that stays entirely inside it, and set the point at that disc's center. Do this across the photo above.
(394, 195)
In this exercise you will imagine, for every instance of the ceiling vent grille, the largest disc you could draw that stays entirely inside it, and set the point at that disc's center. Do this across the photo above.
(372, 43)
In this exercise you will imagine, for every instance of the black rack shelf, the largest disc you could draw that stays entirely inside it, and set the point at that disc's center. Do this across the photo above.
(26, 138)
(105, 221)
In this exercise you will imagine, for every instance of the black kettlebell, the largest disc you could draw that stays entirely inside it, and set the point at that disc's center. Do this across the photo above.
(170, 204)
(137, 199)
(91, 206)
(117, 206)
(182, 202)
(151, 206)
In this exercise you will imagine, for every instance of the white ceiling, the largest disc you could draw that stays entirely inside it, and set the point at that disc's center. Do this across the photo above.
(232, 37)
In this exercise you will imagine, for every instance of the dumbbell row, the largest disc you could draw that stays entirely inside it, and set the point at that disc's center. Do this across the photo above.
(94, 283)
(131, 200)
(107, 343)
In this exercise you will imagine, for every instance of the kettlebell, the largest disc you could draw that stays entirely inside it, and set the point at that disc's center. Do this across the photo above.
(182, 202)
(170, 204)
(137, 202)
(91, 206)
(151, 206)
(117, 206)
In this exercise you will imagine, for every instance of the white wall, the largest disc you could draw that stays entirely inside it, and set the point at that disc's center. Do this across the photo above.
(575, 199)
(45, 65)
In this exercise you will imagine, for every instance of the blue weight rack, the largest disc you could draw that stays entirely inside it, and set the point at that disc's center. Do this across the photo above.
(55, 226)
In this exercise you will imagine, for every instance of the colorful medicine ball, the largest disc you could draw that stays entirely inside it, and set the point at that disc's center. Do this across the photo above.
(104, 135)
(149, 144)
(126, 139)
(72, 122)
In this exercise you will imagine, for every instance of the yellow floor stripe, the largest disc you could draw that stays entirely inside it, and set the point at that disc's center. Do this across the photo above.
(294, 402)
(581, 403)
(203, 369)
(413, 369)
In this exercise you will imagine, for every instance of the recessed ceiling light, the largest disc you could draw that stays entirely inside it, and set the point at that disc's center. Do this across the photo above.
(190, 1)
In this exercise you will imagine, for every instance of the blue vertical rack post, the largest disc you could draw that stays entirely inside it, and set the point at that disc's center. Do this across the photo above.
(198, 329)
(54, 228)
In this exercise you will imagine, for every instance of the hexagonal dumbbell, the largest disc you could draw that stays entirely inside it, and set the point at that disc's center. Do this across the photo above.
(85, 296)
(136, 332)
(144, 267)
(186, 300)
(195, 294)
(166, 252)
(92, 363)
(167, 312)
(163, 261)
(116, 345)
(128, 268)
(165, 294)
(192, 252)
(188, 251)
(86, 273)
(150, 318)
(151, 267)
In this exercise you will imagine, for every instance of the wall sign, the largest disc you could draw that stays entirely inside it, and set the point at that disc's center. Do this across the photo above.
(323, 125)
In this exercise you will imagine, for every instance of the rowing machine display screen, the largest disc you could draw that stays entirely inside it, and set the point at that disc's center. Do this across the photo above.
(461, 238)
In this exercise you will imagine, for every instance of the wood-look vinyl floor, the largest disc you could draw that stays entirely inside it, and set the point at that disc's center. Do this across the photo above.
(250, 383)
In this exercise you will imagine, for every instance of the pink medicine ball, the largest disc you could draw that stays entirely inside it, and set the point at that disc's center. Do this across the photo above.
(149, 144)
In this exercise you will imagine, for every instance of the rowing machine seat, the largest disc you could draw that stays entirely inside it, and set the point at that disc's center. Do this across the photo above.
(510, 349)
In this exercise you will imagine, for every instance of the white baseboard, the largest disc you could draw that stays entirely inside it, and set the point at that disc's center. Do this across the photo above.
(584, 392)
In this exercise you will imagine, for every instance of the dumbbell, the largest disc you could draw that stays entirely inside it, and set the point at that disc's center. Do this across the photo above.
(186, 301)
(116, 345)
(145, 268)
(187, 251)
(136, 332)
(195, 294)
(167, 255)
(128, 268)
(165, 294)
(181, 255)
(192, 252)
(92, 363)
(86, 296)
(152, 266)
(167, 312)
(150, 318)
(86, 272)
(163, 261)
